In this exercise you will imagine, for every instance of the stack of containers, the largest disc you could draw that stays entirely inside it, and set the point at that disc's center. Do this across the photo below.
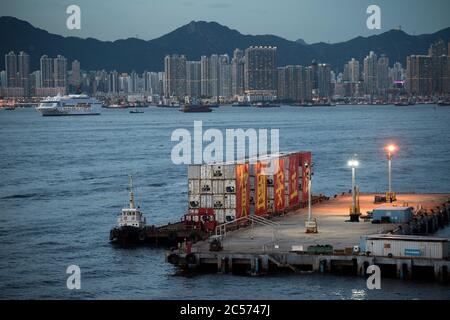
(222, 187)
(237, 190)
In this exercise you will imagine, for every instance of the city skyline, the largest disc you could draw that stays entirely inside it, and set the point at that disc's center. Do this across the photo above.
(298, 19)
(252, 74)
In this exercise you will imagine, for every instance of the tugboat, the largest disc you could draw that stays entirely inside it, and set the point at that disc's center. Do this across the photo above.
(130, 224)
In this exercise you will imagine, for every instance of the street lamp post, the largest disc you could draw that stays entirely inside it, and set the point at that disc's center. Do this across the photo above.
(390, 149)
(311, 225)
(353, 164)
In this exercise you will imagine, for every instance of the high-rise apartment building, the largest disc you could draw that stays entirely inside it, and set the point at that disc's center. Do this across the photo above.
(11, 69)
(370, 73)
(175, 75)
(419, 75)
(260, 70)
(60, 71)
(193, 78)
(224, 76)
(237, 73)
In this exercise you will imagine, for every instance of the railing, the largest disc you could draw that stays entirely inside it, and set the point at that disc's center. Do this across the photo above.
(221, 230)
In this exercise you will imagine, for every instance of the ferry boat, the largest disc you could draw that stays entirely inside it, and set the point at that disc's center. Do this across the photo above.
(69, 105)
(130, 224)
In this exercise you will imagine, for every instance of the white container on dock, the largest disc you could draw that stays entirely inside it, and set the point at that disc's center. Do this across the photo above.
(194, 201)
(194, 186)
(230, 186)
(230, 201)
(206, 201)
(403, 246)
(206, 172)
(206, 186)
(218, 187)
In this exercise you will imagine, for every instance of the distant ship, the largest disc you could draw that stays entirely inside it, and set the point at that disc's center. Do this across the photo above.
(69, 105)
(267, 105)
(195, 108)
(241, 104)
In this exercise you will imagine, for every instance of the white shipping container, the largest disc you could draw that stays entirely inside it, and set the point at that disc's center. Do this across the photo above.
(407, 246)
(217, 172)
(206, 201)
(230, 201)
(206, 172)
(230, 215)
(194, 201)
(230, 186)
(194, 186)
(220, 215)
(206, 186)
(217, 187)
(194, 172)
(229, 171)
(218, 201)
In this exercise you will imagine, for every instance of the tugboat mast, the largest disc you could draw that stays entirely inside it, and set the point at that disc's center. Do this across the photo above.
(131, 193)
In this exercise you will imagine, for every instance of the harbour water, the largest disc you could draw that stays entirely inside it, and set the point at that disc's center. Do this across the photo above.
(63, 182)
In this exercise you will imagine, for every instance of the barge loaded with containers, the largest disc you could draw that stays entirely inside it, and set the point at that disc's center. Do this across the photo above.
(222, 193)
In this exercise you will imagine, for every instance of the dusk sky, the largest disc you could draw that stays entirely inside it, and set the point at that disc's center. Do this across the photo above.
(311, 20)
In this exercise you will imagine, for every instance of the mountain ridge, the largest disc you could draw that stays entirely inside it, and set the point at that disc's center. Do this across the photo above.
(199, 38)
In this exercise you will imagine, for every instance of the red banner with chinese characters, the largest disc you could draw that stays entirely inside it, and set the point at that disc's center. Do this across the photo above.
(242, 191)
(279, 185)
(293, 180)
(260, 190)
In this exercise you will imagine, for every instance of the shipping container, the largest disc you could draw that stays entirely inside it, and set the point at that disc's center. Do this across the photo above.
(194, 201)
(206, 186)
(218, 187)
(206, 201)
(218, 201)
(194, 186)
(206, 172)
(194, 171)
(229, 171)
(242, 191)
(217, 172)
(230, 215)
(230, 201)
(230, 186)
(405, 246)
(220, 215)
(392, 214)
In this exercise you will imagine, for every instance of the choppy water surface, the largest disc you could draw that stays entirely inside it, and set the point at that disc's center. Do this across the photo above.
(63, 181)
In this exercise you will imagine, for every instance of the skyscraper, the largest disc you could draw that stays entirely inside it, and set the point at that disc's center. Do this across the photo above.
(204, 79)
(75, 77)
(353, 71)
(175, 75)
(324, 80)
(383, 75)
(214, 75)
(46, 71)
(438, 54)
(291, 86)
(237, 73)
(193, 78)
(224, 76)
(370, 73)
(23, 74)
(11, 69)
(419, 75)
(60, 71)
(260, 70)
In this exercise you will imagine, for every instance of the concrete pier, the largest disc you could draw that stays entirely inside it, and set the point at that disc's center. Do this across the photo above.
(262, 249)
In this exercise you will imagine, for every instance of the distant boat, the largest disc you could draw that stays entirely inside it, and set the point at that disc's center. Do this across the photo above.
(9, 108)
(267, 105)
(241, 104)
(173, 105)
(195, 108)
(136, 111)
(443, 103)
